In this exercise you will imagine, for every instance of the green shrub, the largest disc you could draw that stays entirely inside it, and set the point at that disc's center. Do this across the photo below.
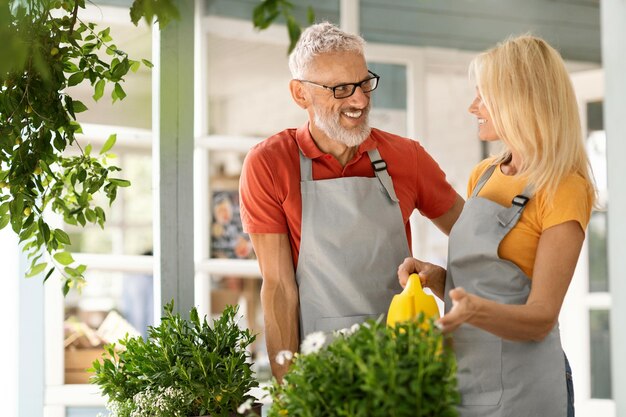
(371, 370)
(192, 368)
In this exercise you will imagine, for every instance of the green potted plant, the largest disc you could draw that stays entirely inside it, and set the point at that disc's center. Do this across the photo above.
(370, 370)
(184, 368)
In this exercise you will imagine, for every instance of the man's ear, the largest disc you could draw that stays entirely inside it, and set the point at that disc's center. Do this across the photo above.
(297, 92)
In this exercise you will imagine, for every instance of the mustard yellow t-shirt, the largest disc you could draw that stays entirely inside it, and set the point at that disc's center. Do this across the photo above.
(571, 201)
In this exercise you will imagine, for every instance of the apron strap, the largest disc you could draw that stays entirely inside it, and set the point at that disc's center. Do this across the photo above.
(380, 169)
(505, 217)
(306, 167)
(483, 180)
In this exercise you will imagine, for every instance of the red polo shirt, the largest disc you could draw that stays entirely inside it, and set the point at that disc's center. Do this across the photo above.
(270, 180)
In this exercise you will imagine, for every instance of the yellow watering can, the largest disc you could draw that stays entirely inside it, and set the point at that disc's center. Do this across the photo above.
(410, 302)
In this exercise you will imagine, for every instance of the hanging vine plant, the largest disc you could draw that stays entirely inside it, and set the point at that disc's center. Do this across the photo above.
(46, 49)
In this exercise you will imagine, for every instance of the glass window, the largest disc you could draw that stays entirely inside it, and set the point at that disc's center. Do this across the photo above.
(600, 351)
(112, 305)
(598, 263)
(114, 302)
(128, 228)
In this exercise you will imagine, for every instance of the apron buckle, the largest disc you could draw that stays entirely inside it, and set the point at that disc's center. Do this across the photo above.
(520, 200)
(379, 165)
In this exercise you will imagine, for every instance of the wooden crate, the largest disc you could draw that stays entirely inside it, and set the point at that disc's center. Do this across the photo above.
(77, 361)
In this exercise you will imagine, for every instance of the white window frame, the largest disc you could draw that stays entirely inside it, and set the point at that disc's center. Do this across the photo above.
(574, 317)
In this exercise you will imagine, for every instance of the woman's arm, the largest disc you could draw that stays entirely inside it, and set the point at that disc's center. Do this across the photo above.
(557, 254)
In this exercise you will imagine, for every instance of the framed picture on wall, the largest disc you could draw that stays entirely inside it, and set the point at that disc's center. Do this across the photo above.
(227, 237)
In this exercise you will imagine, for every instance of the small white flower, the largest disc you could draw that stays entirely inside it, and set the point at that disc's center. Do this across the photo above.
(283, 356)
(246, 406)
(313, 343)
(354, 328)
(342, 332)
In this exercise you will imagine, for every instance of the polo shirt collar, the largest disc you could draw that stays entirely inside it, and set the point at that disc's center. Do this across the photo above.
(311, 151)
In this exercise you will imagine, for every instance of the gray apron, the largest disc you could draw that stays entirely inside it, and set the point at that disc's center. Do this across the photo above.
(498, 377)
(353, 239)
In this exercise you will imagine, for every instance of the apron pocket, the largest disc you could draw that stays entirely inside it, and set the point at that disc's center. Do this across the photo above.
(330, 324)
(479, 364)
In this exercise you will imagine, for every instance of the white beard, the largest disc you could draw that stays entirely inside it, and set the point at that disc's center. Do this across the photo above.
(330, 125)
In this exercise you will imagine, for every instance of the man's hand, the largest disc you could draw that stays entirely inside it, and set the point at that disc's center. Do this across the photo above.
(431, 276)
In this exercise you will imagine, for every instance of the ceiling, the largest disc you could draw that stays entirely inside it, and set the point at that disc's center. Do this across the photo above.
(572, 26)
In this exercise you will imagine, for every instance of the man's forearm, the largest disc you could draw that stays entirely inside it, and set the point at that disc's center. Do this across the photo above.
(280, 311)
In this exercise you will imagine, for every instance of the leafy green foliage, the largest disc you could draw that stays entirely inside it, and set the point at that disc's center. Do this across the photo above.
(208, 365)
(376, 371)
(51, 49)
(163, 10)
(267, 11)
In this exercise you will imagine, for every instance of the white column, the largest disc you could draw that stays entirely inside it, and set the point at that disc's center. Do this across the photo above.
(9, 308)
(349, 16)
(613, 18)
(173, 128)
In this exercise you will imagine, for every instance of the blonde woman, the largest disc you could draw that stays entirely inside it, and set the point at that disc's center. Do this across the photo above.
(513, 250)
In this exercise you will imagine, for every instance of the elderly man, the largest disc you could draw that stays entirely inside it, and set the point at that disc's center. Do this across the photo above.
(327, 205)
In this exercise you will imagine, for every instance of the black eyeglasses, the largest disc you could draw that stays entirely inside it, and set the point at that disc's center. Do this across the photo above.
(346, 90)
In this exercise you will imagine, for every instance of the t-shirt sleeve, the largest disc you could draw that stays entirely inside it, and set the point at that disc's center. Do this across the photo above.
(435, 195)
(571, 201)
(261, 208)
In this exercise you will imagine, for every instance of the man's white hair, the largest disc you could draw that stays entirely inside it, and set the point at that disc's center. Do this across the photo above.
(319, 39)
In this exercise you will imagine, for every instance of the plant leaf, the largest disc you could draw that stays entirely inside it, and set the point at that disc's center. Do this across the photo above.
(99, 90)
(64, 258)
(108, 144)
(62, 237)
(36, 270)
(78, 106)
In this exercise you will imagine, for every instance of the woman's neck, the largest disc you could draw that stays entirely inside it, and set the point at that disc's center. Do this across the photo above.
(511, 166)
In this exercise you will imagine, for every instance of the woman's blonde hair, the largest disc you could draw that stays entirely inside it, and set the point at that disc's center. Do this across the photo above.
(529, 95)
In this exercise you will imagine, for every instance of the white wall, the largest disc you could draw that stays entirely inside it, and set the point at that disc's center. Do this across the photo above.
(9, 311)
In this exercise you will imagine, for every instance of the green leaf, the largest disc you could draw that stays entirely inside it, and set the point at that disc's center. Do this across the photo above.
(78, 106)
(48, 274)
(66, 287)
(310, 15)
(37, 269)
(119, 182)
(119, 91)
(75, 79)
(108, 144)
(294, 32)
(134, 66)
(111, 50)
(80, 217)
(4, 220)
(64, 258)
(62, 237)
(88, 149)
(90, 215)
(147, 63)
(99, 90)
(101, 216)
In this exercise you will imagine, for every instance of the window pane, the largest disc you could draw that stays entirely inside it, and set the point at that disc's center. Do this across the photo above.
(246, 292)
(389, 101)
(598, 264)
(110, 305)
(600, 351)
(595, 116)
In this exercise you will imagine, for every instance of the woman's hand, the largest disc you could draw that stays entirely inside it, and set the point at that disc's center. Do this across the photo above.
(431, 276)
(463, 308)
